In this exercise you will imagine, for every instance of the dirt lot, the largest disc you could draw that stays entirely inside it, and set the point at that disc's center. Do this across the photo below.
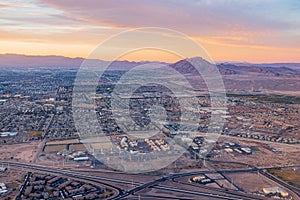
(263, 156)
(77, 147)
(63, 142)
(24, 152)
(250, 182)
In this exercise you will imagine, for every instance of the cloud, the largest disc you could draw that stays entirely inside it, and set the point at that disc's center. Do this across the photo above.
(200, 15)
(30, 22)
(14, 4)
(255, 24)
(254, 19)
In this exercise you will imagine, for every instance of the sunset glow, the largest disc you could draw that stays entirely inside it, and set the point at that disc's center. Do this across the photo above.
(252, 31)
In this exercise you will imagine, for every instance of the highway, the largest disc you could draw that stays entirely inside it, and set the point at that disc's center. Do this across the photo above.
(229, 194)
(69, 173)
(121, 194)
(153, 183)
(280, 182)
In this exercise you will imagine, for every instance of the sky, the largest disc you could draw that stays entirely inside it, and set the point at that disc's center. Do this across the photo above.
(229, 30)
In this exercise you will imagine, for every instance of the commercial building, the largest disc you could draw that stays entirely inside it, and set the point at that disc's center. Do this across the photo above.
(81, 159)
(275, 191)
(246, 150)
(3, 169)
(3, 189)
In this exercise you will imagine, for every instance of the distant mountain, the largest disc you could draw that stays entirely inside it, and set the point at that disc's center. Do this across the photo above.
(17, 60)
(258, 69)
(185, 67)
(282, 78)
(295, 66)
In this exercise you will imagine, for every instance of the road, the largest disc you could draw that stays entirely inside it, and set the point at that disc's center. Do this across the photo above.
(229, 194)
(22, 189)
(69, 173)
(121, 194)
(280, 182)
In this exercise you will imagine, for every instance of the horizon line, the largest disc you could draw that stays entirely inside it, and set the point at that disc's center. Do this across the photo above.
(216, 62)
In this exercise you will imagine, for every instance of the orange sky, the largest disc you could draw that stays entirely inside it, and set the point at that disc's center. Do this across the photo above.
(247, 31)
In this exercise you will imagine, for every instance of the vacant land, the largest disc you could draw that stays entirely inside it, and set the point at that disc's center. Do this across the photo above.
(77, 147)
(262, 156)
(25, 152)
(255, 182)
(61, 142)
(285, 99)
(291, 176)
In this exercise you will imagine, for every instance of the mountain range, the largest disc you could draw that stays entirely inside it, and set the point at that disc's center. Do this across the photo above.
(225, 68)
(283, 78)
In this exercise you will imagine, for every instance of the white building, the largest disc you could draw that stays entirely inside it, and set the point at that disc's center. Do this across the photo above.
(275, 190)
(81, 159)
(3, 169)
(246, 150)
(3, 189)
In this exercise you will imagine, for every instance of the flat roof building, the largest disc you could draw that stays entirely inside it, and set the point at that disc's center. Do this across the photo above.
(3, 169)
(81, 159)
(3, 189)
(274, 191)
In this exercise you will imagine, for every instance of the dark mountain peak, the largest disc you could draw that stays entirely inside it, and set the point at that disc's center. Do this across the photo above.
(184, 67)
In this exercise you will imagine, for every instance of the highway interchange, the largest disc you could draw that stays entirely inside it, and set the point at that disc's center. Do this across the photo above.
(133, 193)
